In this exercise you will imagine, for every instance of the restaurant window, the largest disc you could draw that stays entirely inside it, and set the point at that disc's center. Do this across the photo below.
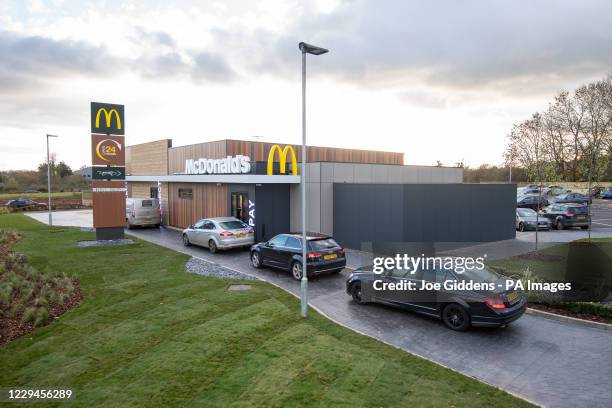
(186, 193)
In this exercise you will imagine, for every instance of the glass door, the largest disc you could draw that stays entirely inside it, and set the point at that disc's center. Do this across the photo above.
(240, 206)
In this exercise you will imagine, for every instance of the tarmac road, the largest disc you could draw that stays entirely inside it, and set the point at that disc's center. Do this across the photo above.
(547, 362)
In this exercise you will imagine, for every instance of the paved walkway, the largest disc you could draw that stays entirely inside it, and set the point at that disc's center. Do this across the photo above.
(550, 363)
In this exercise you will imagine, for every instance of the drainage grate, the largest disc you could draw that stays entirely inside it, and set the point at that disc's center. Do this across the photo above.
(239, 287)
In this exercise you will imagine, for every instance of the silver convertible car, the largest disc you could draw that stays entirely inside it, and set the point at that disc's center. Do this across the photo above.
(219, 233)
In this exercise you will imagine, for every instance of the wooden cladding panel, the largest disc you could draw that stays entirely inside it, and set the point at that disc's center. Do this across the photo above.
(178, 155)
(209, 200)
(258, 151)
(108, 207)
(147, 158)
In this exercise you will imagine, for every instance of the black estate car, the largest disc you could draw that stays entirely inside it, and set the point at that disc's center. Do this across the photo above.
(284, 251)
(535, 202)
(457, 307)
(567, 215)
(24, 203)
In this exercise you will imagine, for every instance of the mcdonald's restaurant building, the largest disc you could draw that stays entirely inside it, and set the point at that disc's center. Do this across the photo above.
(354, 195)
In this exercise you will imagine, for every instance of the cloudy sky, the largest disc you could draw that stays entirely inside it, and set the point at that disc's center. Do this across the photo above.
(439, 80)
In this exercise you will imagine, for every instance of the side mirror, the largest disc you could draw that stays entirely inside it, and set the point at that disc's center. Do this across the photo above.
(270, 244)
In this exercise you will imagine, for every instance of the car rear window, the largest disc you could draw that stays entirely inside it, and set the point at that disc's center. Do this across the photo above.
(231, 225)
(319, 244)
(526, 212)
(578, 210)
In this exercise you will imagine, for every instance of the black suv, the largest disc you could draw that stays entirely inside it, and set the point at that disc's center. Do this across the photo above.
(284, 251)
(567, 215)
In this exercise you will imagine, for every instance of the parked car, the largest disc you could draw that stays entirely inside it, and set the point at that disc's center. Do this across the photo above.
(142, 212)
(284, 251)
(556, 190)
(527, 219)
(607, 194)
(535, 202)
(567, 215)
(219, 233)
(529, 191)
(458, 309)
(570, 198)
(25, 204)
(596, 192)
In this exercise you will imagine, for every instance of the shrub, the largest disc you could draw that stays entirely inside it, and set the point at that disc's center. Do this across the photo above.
(16, 310)
(40, 301)
(41, 316)
(29, 315)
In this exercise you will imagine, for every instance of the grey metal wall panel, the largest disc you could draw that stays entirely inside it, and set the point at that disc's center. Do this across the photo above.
(422, 213)
(272, 213)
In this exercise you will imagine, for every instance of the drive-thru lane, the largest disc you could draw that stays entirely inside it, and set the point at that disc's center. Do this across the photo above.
(551, 363)
(548, 362)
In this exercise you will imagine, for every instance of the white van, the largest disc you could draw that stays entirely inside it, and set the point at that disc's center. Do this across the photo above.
(142, 212)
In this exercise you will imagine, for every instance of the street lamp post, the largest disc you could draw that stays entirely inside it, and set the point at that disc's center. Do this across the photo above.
(49, 181)
(306, 49)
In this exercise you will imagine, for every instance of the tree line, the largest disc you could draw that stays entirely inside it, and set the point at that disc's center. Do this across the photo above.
(62, 178)
(570, 141)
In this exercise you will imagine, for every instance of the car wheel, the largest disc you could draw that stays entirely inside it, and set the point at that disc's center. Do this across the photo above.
(186, 240)
(157, 225)
(212, 247)
(560, 225)
(584, 227)
(129, 226)
(521, 227)
(296, 270)
(357, 294)
(455, 317)
(255, 259)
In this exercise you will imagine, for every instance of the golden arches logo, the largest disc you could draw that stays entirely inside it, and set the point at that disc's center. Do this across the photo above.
(108, 115)
(103, 149)
(282, 158)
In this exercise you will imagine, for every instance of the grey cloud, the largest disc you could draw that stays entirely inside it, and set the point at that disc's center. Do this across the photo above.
(454, 43)
(212, 67)
(29, 62)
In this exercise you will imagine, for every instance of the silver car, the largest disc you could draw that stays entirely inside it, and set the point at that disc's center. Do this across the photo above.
(219, 233)
(526, 220)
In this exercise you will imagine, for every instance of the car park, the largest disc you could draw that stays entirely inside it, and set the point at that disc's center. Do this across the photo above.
(284, 251)
(219, 233)
(142, 212)
(25, 204)
(458, 309)
(570, 198)
(527, 219)
(568, 215)
(535, 202)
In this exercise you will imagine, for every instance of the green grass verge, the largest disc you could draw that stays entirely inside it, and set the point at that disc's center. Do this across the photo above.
(150, 334)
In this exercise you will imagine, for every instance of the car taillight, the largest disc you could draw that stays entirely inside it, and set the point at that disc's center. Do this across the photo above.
(495, 303)
(313, 255)
(341, 251)
(568, 214)
(251, 231)
(226, 234)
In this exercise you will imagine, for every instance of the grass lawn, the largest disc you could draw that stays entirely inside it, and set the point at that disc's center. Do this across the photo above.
(551, 265)
(150, 334)
(32, 196)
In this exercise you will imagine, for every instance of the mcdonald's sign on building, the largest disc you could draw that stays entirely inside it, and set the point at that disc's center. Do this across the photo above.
(107, 118)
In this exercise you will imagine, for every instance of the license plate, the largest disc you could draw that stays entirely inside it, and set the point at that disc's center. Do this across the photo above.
(581, 217)
(241, 235)
(330, 256)
(512, 297)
